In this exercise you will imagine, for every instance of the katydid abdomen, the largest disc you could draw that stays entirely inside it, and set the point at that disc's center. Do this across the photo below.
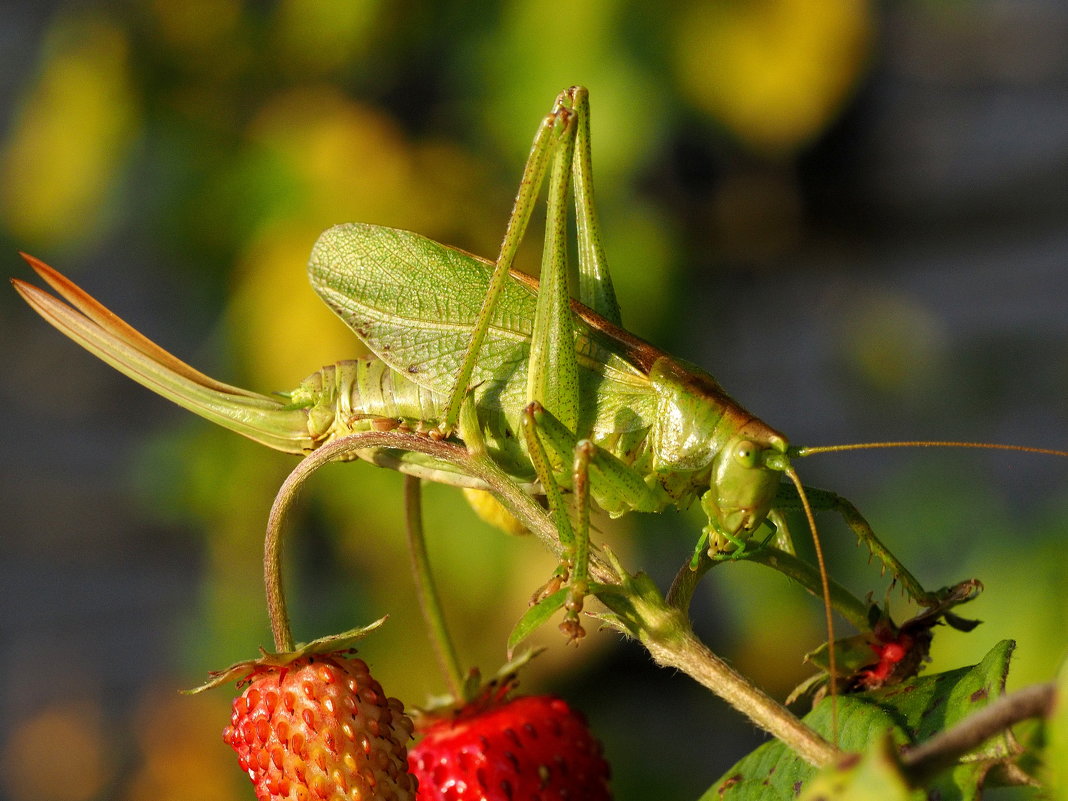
(664, 422)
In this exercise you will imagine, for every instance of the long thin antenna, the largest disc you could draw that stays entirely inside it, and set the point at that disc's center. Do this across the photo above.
(860, 446)
(825, 584)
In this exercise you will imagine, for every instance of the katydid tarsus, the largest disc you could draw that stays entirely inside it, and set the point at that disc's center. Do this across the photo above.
(550, 387)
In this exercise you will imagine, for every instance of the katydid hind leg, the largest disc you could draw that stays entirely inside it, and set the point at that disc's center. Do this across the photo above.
(561, 142)
(578, 582)
(544, 472)
(595, 287)
(541, 151)
(552, 368)
(549, 593)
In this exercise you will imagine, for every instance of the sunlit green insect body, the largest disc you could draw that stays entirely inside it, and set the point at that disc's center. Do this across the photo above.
(551, 388)
(665, 432)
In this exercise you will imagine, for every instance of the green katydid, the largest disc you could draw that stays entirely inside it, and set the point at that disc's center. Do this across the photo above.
(472, 349)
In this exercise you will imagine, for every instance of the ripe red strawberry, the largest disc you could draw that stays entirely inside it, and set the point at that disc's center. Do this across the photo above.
(319, 728)
(532, 747)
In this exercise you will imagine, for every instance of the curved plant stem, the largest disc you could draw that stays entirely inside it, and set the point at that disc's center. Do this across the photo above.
(640, 611)
(427, 592)
(690, 655)
(515, 500)
(277, 610)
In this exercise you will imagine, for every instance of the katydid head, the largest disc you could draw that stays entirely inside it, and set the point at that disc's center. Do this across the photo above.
(744, 481)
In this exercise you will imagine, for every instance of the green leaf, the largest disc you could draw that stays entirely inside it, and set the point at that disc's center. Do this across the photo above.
(874, 776)
(536, 616)
(1056, 756)
(906, 714)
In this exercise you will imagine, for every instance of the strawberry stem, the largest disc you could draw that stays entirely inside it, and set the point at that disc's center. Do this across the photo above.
(427, 592)
(272, 562)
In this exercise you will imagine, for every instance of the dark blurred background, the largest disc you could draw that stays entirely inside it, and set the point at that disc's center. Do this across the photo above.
(853, 214)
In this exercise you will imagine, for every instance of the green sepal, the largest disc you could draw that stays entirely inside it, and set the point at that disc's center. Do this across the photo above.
(636, 605)
(333, 643)
(478, 695)
(535, 617)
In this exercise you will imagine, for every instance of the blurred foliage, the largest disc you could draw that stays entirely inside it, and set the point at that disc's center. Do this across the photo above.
(773, 73)
(196, 148)
(54, 185)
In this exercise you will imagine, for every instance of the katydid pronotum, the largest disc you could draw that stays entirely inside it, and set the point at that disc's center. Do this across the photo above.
(551, 388)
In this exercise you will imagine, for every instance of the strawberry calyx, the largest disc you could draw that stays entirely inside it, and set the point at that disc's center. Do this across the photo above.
(478, 695)
(244, 670)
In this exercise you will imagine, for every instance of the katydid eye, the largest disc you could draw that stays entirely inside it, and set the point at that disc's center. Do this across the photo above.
(747, 454)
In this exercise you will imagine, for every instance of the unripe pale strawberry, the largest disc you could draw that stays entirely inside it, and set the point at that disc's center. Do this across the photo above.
(320, 728)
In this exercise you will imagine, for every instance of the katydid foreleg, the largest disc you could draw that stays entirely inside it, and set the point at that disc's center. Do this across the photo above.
(828, 501)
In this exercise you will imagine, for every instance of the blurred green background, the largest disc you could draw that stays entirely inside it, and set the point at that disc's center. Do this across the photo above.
(852, 213)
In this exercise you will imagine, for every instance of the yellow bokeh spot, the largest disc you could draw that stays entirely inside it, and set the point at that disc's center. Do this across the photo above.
(73, 730)
(317, 36)
(347, 162)
(182, 754)
(774, 72)
(351, 161)
(282, 329)
(70, 137)
(196, 24)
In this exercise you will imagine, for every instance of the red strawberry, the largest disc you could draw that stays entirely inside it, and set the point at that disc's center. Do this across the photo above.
(532, 747)
(319, 728)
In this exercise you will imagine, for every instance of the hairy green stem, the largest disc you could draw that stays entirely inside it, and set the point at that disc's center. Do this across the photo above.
(427, 592)
(277, 610)
(671, 642)
(693, 657)
(662, 629)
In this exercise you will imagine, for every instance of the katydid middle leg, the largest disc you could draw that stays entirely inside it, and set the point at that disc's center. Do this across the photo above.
(562, 460)
(573, 571)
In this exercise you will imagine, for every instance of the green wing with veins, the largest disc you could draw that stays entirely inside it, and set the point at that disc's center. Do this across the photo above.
(413, 302)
